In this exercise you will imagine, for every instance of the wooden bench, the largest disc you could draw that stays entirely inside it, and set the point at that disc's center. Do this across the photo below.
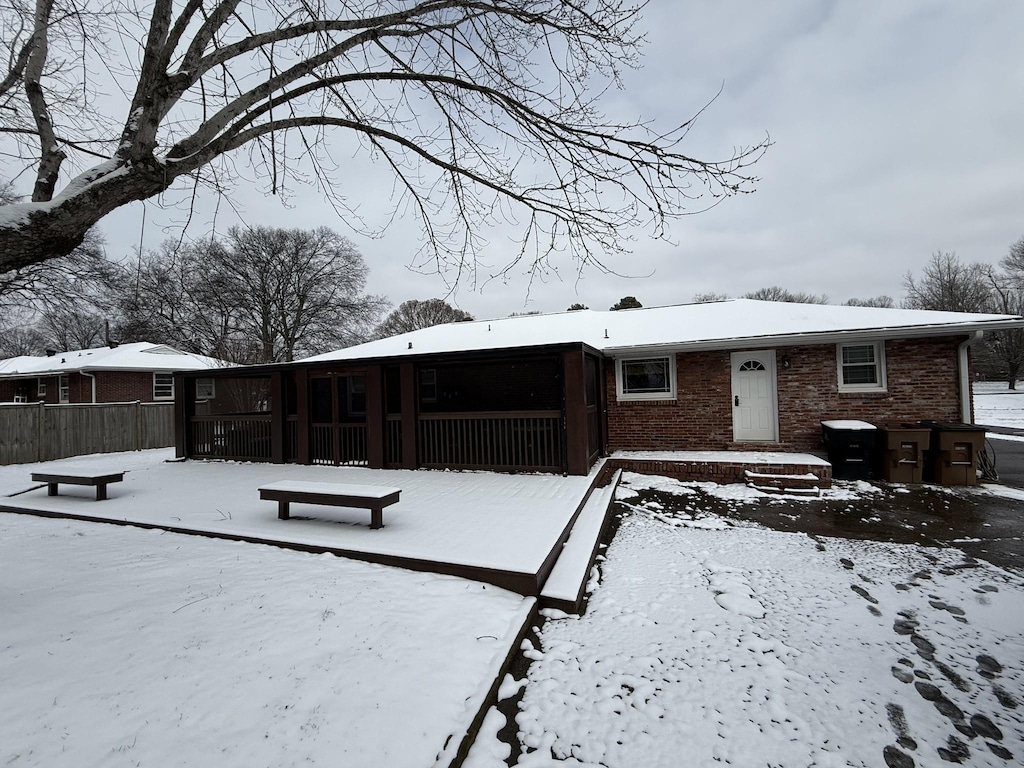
(371, 497)
(68, 477)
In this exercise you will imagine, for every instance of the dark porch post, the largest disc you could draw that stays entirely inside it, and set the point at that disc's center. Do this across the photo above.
(277, 417)
(184, 410)
(302, 415)
(576, 446)
(374, 417)
(410, 451)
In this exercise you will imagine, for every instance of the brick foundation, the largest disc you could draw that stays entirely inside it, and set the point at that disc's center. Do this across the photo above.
(712, 471)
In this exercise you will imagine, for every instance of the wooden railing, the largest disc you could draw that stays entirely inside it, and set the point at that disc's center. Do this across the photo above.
(514, 440)
(245, 437)
(338, 444)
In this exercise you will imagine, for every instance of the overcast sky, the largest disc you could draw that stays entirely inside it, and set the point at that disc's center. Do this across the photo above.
(898, 130)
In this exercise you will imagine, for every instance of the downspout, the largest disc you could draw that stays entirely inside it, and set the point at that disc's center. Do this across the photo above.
(965, 375)
(93, 377)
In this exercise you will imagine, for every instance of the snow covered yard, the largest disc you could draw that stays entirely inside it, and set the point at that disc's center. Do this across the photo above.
(713, 641)
(125, 647)
(998, 406)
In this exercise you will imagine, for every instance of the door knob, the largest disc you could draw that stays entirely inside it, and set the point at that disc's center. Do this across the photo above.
(737, 401)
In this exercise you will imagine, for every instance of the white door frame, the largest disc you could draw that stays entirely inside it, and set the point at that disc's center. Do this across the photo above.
(767, 357)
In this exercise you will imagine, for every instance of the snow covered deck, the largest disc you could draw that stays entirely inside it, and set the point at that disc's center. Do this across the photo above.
(506, 530)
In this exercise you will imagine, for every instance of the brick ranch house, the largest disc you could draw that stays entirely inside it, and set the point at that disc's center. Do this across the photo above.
(139, 371)
(555, 392)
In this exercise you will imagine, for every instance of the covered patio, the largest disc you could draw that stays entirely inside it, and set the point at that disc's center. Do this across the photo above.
(538, 411)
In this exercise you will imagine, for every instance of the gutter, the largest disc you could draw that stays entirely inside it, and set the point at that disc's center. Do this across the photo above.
(814, 337)
(963, 364)
(93, 377)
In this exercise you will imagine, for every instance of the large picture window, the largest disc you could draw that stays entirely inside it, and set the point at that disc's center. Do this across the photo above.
(861, 367)
(646, 378)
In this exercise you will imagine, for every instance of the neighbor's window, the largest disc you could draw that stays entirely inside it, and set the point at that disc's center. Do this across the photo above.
(64, 388)
(861, 367)
(41, 388)
(163, 386)
(647, 378)
(204, 389)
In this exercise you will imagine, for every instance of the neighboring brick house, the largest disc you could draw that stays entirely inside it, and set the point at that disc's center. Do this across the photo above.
(138, 371)
(555, 392)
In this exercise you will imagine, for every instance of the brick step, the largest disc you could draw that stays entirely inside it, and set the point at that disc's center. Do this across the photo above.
(798, 485)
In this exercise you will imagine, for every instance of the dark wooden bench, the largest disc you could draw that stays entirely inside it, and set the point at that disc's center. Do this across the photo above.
(97, 479)
(371, 497)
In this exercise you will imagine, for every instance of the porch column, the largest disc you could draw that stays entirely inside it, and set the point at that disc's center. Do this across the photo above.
(184, 410)
(302, 415)
(573, 380)
(410, 441)
(374, 417)
(277, 417)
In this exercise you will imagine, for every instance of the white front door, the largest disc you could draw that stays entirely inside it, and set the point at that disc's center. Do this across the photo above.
(754, 416)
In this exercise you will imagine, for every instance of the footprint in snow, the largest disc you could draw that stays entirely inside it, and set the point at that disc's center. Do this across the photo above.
(895, 758)
(940, 605)
(955, 750)
(898, 721)
(863, 593)
(847, 563)
(988, 667)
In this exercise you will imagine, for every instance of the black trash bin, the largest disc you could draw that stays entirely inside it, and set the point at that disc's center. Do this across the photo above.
(904, 448)
(852, 448)
(954, 452)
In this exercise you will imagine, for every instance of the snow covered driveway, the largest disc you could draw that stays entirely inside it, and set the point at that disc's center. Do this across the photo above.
(125, 647)
(710, 643)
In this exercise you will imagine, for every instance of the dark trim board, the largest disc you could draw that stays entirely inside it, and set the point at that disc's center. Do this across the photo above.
(527, 584)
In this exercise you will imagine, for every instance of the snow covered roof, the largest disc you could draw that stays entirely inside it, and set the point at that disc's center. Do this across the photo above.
(138, 356)
(719, 325)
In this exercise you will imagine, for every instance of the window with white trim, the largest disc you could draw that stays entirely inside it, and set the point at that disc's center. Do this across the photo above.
(64, 388)
(646, 378)
(41, 388)
(204, 388)
(163, 386)
(861, 367)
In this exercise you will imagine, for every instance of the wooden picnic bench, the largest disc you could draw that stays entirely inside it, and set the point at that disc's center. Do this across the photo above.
(68, 477)
(371, 497)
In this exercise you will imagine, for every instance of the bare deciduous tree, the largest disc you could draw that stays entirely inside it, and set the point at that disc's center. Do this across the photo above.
(265, 295)
(483, 110)
(883, 301)
(415, 314)
(948, 284)
(777, 293)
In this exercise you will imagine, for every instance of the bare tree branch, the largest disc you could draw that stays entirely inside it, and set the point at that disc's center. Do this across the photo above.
(487, 112)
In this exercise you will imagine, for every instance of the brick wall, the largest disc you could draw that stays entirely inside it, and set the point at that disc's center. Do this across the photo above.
(124, 386)
(700, 418)
(922, 383)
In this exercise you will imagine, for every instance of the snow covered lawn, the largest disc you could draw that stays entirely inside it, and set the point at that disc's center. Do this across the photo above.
(125, 647)
(708, 641)
(485, 519)
(998, 406)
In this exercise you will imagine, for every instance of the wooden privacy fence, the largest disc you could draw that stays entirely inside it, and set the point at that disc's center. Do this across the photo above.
(38, 432)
